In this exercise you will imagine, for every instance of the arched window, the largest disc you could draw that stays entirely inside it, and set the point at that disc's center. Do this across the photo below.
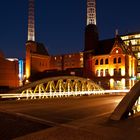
(96, 62)
(115, 61)
(101, 62)
(106, 61)
(102, 72)
(97, 72)
(119, 60)
(119, 71)
(115, 71)
(106, 72)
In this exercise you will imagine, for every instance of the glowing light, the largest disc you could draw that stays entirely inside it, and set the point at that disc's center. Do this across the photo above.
(21, 69)
(111, 83)
(130, 65)
(29, 95)
(123, 83)
(91, 12)
(111, 72)
(27, 73)
(123, 71)
(27, 81)
(12, 59)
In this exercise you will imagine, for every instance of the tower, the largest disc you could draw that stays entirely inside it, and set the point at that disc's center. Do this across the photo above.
(91, 36)
(31, 21)
(30, 44)
(91, 33)
(91, 12)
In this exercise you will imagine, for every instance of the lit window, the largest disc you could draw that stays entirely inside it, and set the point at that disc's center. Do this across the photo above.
(115, 71)
(101, 72)
(106, 72)
(119, 71)
(97, 72)
(117, 51)
(138, 55)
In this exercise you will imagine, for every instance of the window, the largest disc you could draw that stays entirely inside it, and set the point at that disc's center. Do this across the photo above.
(101, 62)
(138, 55)
(106, 72)
(115, 71)
(106, 61)
(119, 71)
(97, 72)
(115, 61)
(96, 62)
(119, 60)
(101, 72)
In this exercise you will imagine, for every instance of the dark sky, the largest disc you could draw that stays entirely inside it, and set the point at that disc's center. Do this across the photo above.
(60, 23)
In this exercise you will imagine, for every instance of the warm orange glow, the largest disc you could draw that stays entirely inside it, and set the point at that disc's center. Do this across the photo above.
(123, 71)
(123, 83)
(27, 81)
(111, 72)
(130, 66)
(111, 83)
(133, 68)
(27, 72)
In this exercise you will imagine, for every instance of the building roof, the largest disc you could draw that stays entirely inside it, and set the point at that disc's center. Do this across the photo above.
(104, 47)
(41, 49)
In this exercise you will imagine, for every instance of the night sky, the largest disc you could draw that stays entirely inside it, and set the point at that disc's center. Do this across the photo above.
(60, 23)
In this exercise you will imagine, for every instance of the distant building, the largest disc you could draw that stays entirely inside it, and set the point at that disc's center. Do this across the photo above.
(114, 65)
(38, 60)
(134, 38)
(9, 71)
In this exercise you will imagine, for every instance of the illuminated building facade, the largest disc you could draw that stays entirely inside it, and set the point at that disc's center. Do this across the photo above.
(114, 65)
(67, 61)
(37, 58)
(134, 38)
(8, 72)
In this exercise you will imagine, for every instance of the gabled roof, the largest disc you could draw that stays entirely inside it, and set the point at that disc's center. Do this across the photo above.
(104, 47)
(41, 49)
(120, 43)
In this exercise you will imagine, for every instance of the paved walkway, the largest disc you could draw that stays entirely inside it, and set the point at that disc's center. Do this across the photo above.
(78, 118)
